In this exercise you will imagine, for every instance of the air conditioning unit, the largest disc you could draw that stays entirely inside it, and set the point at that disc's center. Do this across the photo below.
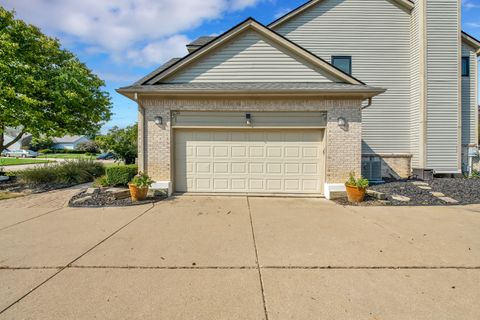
(372, 168)
(423, 174)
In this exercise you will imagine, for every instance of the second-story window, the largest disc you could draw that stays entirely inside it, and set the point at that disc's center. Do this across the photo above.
(465, 66)
(343, 63)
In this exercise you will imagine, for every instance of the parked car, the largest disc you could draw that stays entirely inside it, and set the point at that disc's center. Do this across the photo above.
(106, 156)
(4, 153)
(21, 153)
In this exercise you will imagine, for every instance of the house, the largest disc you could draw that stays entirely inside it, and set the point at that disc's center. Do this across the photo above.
(335, 86)
(11, 134)
(68, 142)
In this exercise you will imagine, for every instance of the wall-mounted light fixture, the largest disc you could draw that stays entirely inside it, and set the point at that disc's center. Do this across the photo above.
(342, 122)
(158, 120)
(248, 117)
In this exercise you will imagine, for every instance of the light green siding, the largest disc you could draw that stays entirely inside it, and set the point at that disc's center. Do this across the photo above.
(250, 57)
(376, 33)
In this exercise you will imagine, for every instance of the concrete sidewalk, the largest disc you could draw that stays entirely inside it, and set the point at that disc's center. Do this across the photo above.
(239, 258)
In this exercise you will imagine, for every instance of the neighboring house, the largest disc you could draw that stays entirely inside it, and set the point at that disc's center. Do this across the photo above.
(16, 146)
(287, 108)
(68, 142)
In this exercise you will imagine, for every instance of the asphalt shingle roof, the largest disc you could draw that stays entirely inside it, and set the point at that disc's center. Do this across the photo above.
(200, 41)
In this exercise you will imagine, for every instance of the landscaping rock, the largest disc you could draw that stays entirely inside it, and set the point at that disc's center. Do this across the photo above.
(4, 178)
(419, 183)
(376, 194)
(425, 187)
(92, 190)
(400, 198)
(437, 194)
(81, 200)
(448, 200)
(157, 192)
(119, 193)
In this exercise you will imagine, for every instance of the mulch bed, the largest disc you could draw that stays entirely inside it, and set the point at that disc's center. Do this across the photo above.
(106, 199)
(465, 191)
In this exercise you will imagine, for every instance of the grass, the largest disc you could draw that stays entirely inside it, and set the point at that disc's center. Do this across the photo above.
(19, 161)
(10, 195)
(66, 156)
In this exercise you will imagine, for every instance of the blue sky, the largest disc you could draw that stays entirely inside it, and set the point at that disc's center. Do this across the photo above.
(122, 40)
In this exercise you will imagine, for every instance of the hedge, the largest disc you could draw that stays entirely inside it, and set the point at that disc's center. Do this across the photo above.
(120, 175)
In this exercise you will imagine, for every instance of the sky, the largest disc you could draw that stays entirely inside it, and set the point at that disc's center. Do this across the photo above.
(123, 40)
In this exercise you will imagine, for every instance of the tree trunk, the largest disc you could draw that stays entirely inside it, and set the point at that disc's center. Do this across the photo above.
(4, 145)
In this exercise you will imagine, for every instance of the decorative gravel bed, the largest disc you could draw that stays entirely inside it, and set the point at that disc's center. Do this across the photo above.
(104, 198)
(464, 191)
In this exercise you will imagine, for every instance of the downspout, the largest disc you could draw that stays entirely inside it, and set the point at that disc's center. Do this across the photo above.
(368, 104)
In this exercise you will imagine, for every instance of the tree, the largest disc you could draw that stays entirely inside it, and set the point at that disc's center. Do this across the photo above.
(44, 89)
(41, 143)
(88, 146)
(122, 142)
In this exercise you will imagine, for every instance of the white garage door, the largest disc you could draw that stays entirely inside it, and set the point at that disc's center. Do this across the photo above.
(253, 161)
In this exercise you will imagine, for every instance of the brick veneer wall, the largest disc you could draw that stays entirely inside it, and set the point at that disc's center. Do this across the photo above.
(343, 145)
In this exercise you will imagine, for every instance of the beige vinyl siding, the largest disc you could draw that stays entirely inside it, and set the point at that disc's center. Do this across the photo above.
(469, 99)
(416, 91)
(443, 74)
(250, 57)
(376, 33)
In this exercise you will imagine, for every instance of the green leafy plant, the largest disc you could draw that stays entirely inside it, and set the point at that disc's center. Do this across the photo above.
(101, 182)
(141, 180)
(121, 141)
(45, 151)
(360, 183)
(120, 175)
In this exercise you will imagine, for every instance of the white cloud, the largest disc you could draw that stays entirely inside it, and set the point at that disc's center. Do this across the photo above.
(147, 31)
(473, 24)
(281, 12)
(470, 4)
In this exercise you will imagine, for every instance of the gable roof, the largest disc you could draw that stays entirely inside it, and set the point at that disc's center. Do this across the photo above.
(160, 74)
(471, 41)
(408, 4)
(200, 41)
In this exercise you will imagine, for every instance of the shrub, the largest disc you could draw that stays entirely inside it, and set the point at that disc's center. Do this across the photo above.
(101, 182)
(120, 175)
(45, 151)
(68, 172)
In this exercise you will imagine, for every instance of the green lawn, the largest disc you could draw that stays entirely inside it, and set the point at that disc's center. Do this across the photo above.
(66, 156)
(19, 161)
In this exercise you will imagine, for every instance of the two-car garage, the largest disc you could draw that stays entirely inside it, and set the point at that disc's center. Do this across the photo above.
(238, 152)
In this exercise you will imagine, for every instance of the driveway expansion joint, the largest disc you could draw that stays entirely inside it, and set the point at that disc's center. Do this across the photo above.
(73, 261)
(256, 260)
(32, 218)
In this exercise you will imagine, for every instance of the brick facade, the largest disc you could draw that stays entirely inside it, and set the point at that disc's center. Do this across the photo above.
(343, 145)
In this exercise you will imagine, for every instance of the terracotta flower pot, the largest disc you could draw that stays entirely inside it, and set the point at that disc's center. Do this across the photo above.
(137, 194)
(355, 194)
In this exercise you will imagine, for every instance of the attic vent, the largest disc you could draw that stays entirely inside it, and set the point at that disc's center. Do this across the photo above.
(372, 168)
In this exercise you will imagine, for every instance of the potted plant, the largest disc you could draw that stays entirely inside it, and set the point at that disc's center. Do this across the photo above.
(139, 186)
(356, 188)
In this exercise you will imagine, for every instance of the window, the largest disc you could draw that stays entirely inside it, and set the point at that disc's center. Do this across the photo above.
(343, 63)
(465, 66)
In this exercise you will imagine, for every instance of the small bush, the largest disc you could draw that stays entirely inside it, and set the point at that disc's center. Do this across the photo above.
(120, 175)
(45, 151)
(100, 182)
(68, 172)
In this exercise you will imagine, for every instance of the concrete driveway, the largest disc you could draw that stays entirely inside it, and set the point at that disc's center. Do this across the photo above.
(237, 258)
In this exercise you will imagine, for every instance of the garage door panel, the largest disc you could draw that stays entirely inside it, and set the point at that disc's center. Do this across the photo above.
(265, 161)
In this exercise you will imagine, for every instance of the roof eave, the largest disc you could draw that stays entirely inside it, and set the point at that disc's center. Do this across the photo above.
(134, 93)
(471, 41)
